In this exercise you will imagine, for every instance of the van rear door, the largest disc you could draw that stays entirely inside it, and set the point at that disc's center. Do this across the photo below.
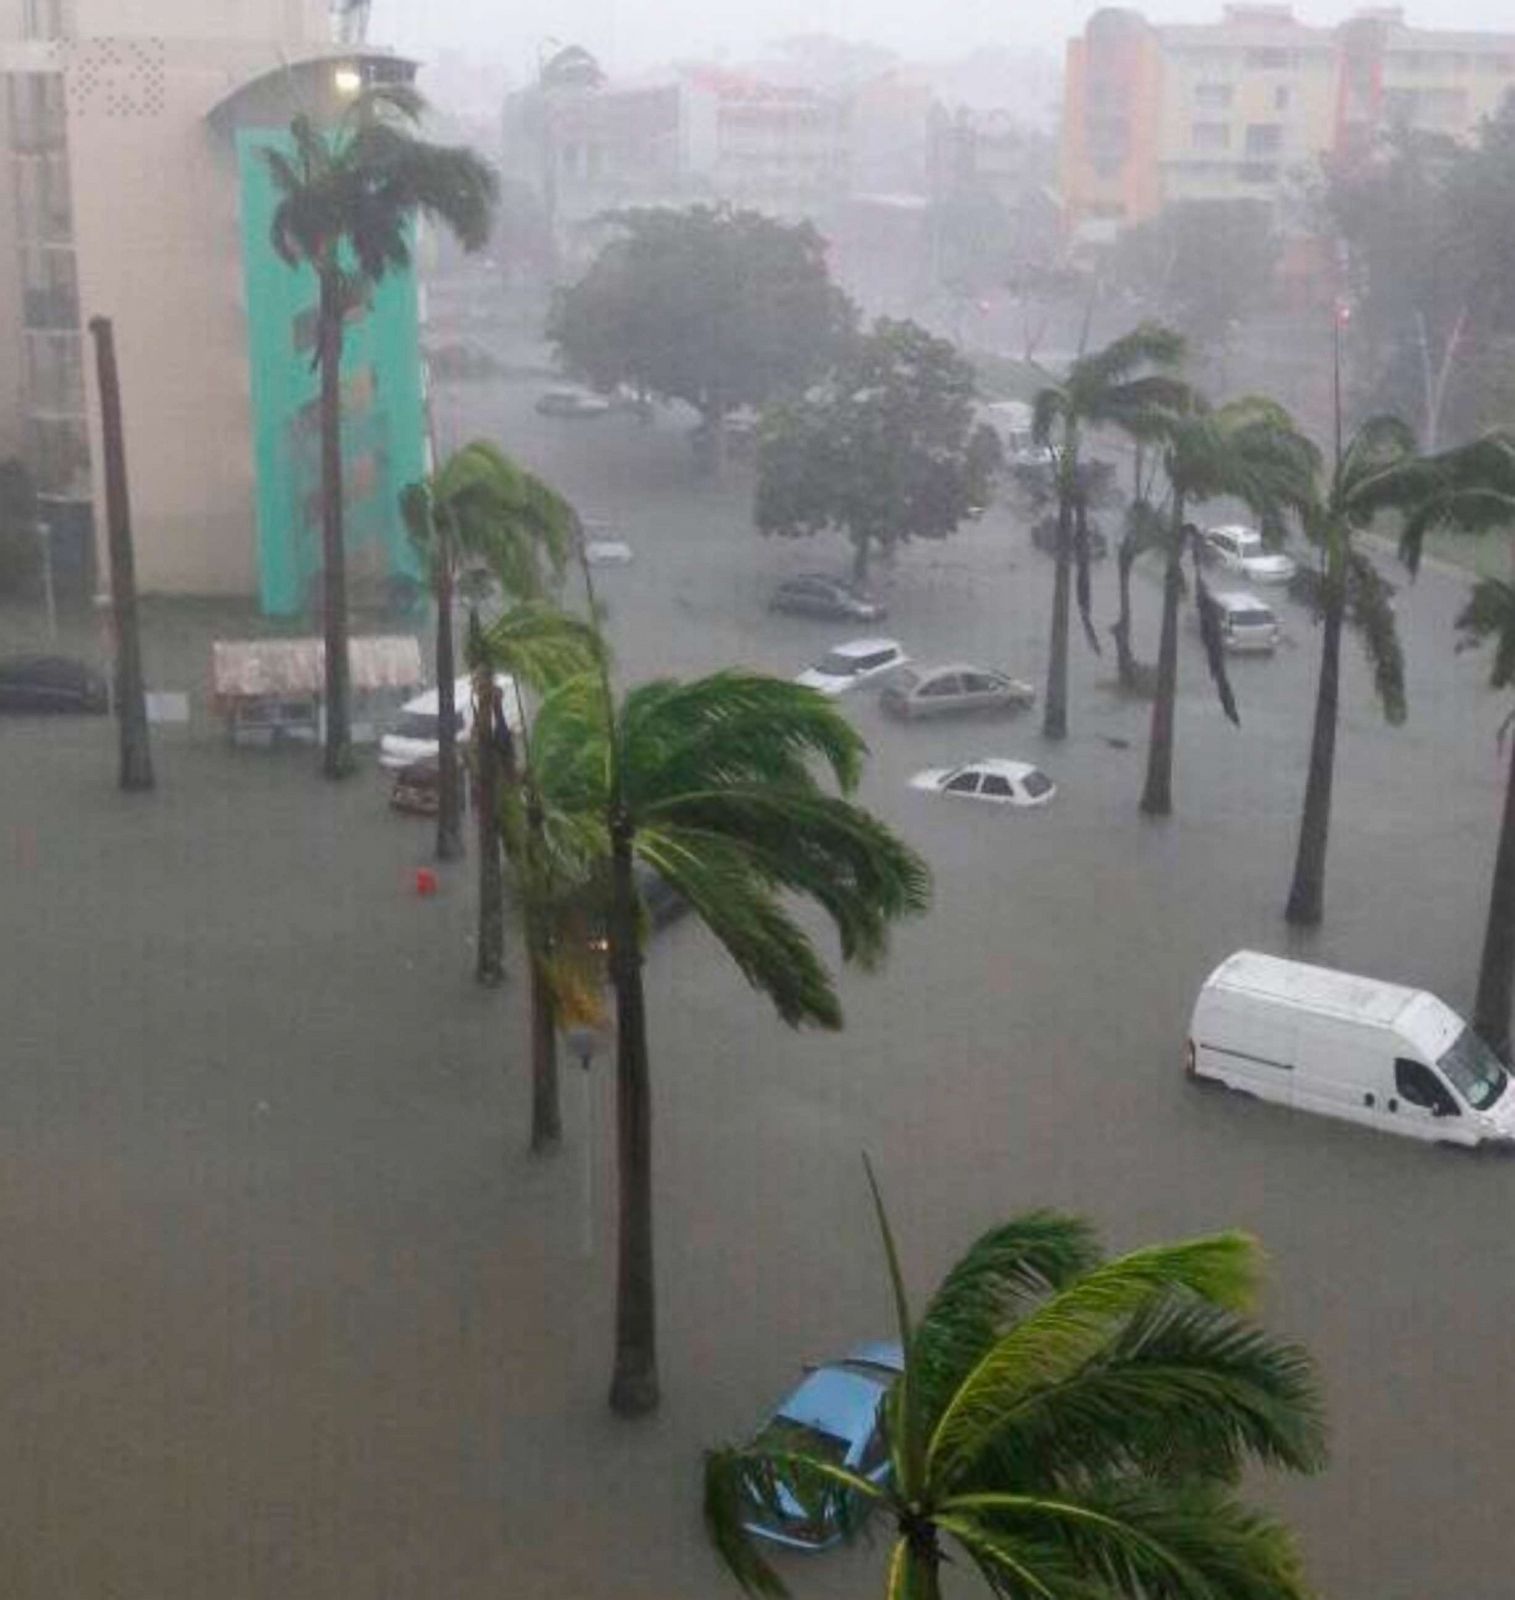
(1246, 1041)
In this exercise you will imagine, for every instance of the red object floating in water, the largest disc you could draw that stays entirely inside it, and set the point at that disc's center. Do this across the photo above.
(426, 882)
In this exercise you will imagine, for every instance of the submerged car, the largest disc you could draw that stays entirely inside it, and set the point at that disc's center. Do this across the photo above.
(991, 779)
(954, 690)
(852, 664)
(816, 595)
(1044, 537)
(573, 403)
(417, 789)
(416, 732)
(1236, 548)
(51, 684)
(835, 1414)
(1247, 626)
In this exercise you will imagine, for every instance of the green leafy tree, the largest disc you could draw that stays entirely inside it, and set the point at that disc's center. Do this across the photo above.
(1065, 1425)
(1114, 388)
(1378, 471)
(1475, 492)
(887, 449)
(479, 513)
(1248, 450)
(1200, 264)
(716, 307)
(349, 199)
(714, 784)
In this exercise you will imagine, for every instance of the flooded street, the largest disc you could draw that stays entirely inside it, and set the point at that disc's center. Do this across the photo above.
(290, 1312)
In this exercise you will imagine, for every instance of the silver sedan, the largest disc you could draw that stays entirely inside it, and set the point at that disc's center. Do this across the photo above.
(955, 690)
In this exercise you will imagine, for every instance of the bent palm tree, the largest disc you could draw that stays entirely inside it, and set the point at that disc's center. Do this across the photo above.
(1378, 471)
(1474, 490)
(1074, 1427)
(349, 199)
(1250, 450)
(479, 510)
(713, 784)
(1109, 388)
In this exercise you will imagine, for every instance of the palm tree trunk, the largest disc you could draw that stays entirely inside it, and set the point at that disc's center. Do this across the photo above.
(449, 827)
(862, 548)
(1307, 892)
(1055, 708)
(1157, 795)
(1120, 631)
(1496, 971)
(634, 1387)
(489, 751)
(338, 761)
(135, 767)
(546, 1108)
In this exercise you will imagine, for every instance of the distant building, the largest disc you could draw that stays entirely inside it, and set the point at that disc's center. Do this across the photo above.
(1226, 110)
(132, 186)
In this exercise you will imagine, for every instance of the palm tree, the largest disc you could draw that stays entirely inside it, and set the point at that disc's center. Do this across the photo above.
(1068, 1426)
(1143, 531)
(1250, 450)
(1474, 490)
(1378, 470)
(1107, 389)
(350, 197)
(713, 784)
(479, 513)
(538, 646)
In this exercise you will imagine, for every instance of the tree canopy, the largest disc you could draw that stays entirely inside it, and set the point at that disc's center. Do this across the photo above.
(716, 307)
(887, 449)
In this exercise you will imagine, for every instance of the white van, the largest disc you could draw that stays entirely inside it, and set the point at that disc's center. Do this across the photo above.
(1246, 623)
(416, 732)
(1349, 1047)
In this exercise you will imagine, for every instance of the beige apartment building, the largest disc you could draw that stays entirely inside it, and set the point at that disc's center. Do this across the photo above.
(131, 186)
(1229, 110)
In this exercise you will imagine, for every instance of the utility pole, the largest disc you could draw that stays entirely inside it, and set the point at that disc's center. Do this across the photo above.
(136, 767)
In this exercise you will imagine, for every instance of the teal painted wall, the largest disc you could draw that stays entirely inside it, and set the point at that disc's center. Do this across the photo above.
(383, 428)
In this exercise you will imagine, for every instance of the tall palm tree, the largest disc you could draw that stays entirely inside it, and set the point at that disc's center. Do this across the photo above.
(1113, 388)
(1247, 449)
(537, 646)
(1378, 470)
(479, 513)
(714, 784)
(1474, 490)
(1068, 1426)
(1143, 530)
(350, 197)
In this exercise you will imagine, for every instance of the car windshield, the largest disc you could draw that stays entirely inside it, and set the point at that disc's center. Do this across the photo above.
(838, 665)
(1474, 1070)
(1036, 783)
(420, 724)
(797, 1438)
(1247, 544)
(1251, 619)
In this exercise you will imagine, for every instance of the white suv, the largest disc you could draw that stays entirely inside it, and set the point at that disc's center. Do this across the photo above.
(1240, 549)
(849, 665)
(1246, 624)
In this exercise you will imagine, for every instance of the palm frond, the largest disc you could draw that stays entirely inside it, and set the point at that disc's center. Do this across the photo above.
(726, 1508)
(1070, 1329)
(1149, 345)
(539, 645)
(1214, 644)
(1490, 613)
(1019, 1569)
(902, 1409)
(1373, 614)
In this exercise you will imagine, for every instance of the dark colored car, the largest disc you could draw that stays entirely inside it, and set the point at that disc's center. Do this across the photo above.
(1044, 537)
(814, 595)
(51, 683)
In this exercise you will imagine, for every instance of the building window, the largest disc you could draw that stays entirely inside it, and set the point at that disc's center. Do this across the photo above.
(55, 374)
(44, 200)
(1270, 60)
(1257, 172)
(58, 455)
(50, 289)
(1282, 95)
(47, 19)
(1212, 96)
(36, 112)
(1264, 138)
(1210, 136)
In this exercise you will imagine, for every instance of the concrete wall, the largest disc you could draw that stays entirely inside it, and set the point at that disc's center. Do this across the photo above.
(289, 21)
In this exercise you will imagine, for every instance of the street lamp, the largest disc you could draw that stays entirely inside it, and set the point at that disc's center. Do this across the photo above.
(584, 1044)
(44, 532)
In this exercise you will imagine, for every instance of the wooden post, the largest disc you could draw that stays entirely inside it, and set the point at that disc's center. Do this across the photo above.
(136, 764)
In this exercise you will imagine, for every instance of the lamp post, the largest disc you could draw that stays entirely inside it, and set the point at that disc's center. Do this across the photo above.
(584, 1044)
(44, 532)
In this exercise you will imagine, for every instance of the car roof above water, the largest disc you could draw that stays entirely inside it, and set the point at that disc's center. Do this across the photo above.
(1311, 988)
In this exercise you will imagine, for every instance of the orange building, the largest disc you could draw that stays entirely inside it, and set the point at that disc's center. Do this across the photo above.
(1228, 110)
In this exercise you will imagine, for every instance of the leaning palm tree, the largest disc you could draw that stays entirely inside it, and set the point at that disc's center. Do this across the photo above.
(1378, 470)
(714, 785)
(1070, 1427)
(479, 513)
(1249, 450)
(350, 196)
(1143, 529)
(537, 647)
(1112, 388)
(1475, 491)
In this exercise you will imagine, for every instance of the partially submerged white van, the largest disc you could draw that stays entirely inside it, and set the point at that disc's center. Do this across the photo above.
(1349, 1047)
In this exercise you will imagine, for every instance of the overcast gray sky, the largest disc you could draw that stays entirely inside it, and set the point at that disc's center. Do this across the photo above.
(629, 34)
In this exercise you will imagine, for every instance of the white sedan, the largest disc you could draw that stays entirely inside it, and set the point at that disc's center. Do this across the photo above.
(1241, 549)
(999, 782)
(861, 661)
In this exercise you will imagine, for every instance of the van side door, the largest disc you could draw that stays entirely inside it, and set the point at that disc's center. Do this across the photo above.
(1422, 1106)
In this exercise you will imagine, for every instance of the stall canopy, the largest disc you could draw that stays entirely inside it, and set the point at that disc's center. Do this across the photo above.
(254, 669)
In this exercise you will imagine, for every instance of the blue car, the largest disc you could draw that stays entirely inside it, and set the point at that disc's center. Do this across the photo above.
(836, 1415)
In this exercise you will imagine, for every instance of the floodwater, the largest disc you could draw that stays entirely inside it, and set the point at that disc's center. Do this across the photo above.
(290, 1312)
